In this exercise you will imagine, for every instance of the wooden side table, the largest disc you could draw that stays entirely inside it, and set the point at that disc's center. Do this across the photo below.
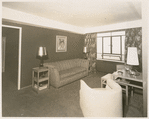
(40, 78)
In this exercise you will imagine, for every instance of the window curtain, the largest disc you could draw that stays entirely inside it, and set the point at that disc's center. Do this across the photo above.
(90, 43)
(133, 38)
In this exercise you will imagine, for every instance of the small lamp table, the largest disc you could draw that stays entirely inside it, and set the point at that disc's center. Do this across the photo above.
(40, 78)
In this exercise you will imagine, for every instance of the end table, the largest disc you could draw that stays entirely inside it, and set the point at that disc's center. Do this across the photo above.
(40, 78)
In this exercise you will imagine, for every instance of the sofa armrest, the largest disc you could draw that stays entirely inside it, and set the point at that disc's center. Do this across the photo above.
(55, 77)
(84, 63)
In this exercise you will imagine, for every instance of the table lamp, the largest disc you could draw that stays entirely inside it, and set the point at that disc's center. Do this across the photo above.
(85, 51)
(42, 55)
(132, 59)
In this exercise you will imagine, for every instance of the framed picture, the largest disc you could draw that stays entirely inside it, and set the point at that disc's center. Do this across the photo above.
(61, 43)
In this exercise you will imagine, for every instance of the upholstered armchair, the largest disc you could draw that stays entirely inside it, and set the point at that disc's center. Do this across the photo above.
(101, 102)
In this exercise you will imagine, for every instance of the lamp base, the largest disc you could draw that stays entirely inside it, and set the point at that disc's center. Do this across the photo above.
(85, 55)
(131, 72)
(127, 67)
(41, 62)
(41, 65)
(135, 73)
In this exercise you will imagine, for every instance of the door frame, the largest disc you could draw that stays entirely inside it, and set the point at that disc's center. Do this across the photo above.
(3, 53)
(19, 54)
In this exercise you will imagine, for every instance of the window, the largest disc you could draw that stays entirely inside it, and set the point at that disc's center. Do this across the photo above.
(111, 45)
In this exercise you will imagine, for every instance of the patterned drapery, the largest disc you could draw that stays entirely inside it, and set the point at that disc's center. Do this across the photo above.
(90, 42)
(133, 38)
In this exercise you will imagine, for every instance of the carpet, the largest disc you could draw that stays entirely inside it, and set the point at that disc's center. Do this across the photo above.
(62, 102)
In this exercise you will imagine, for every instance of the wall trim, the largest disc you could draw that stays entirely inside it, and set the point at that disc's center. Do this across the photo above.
(26, 87)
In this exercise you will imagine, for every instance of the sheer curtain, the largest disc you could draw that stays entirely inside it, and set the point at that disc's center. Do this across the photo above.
(90, 42)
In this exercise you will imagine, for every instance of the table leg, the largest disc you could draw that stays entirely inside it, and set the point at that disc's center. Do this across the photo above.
(126, 94)
(102, 83)
(132, 91)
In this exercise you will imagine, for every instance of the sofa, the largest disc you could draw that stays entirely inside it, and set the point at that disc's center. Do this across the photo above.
(67, 71)
(101, 102)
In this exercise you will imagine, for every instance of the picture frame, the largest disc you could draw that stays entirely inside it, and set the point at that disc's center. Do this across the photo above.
(61, 43)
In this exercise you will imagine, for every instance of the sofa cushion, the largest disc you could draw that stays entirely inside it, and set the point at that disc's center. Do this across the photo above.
(71, 71)
(66, 64)
(63, 65)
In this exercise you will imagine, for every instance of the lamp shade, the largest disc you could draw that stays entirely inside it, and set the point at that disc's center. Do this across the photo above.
(85, 50)
(42, 55)
(132, 56)
(42, 52)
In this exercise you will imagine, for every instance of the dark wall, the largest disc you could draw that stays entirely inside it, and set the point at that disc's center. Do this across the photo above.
(11, 53)
(33, 37)
(106, 66)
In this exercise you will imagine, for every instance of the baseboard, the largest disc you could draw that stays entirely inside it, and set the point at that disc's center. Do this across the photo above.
(26, 87)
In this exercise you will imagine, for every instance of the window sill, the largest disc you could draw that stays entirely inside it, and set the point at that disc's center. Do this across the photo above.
(111, 60)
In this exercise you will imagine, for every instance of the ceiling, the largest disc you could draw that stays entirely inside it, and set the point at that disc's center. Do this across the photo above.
(82, 13)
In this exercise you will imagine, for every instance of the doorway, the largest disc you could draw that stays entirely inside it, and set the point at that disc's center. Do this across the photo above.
(11, 54)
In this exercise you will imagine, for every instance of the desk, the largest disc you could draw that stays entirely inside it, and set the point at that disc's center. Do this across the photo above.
(129, 80)
(123, 84)
(125, 75)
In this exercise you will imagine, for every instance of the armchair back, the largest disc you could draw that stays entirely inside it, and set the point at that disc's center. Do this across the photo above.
(101, 102)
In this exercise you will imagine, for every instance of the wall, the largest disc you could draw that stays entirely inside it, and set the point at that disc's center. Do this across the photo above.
(33, 37)
(145, 54)
(106, 66)
(11, 53)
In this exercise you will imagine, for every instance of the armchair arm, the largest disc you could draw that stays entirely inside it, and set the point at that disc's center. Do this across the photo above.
(107, 76)
(104, 79)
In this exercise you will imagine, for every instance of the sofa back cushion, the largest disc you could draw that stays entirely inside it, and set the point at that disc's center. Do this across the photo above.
(63, 65)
